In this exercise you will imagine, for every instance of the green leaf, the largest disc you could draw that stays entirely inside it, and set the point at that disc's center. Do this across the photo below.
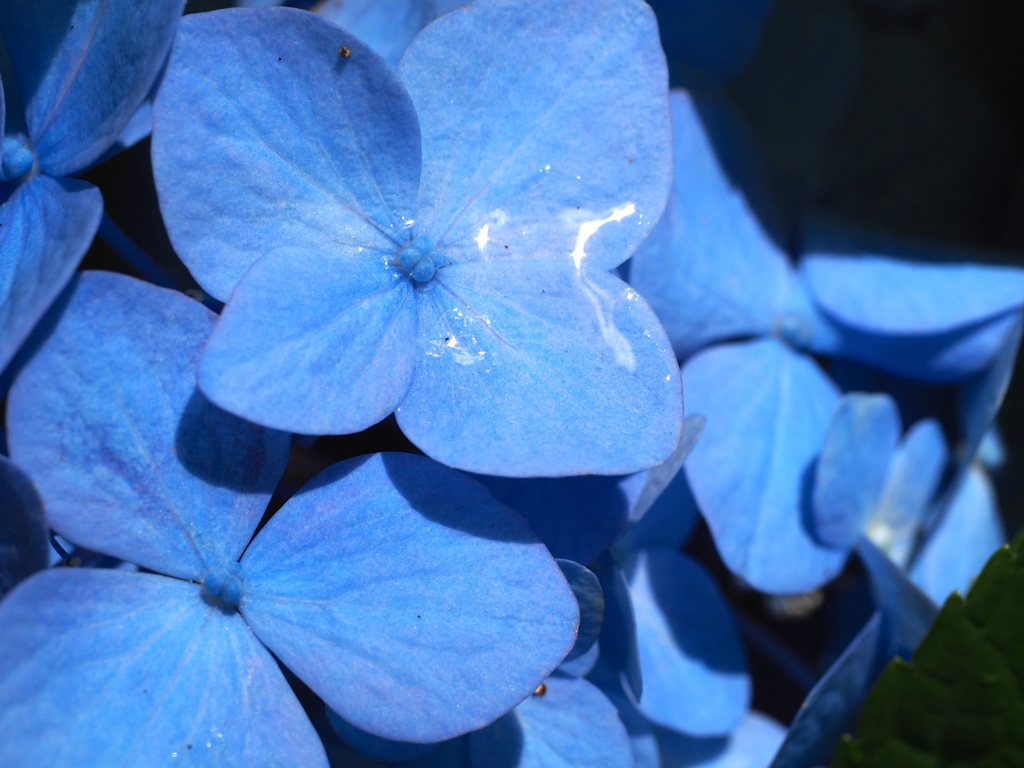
(959, 702)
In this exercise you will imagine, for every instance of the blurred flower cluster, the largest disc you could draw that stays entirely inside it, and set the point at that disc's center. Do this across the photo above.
(344, 349)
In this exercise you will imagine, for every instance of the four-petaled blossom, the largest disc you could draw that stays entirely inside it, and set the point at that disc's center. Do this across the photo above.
(399, 590)
(434, 243)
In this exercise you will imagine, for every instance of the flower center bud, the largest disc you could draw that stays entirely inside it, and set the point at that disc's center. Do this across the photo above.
(225, 584)
(794, 329)
(17, 159)
(420, 259)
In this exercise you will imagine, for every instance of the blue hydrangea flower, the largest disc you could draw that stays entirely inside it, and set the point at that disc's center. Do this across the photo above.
(746, 323)
(435, 243)
(23, 536)
(74, 75)
(392, 586)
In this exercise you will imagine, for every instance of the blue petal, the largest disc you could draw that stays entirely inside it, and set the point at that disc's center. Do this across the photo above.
(387, 26)
(503, 160)
(942, 358)
(138, 127)
(966, 536)
(668, 522)
(753, 744)
(309, 148)
(551, 370)
(83, 69)
(577, 517)
(693, 666)
(656, 481)
(715, 38)
(374, 746)
(892, 287)
(831, 707)
(453, 753)
(641, 734)
(710, 269)
(664, 511)
(136, 668)
(767, 409)
(24, 548)
(912, 480)
(583, 665)
(982, 394)
(330, 353)
(587, 589)
(397, 589)
(907, 612)
(619, 662)
(45, 229)
(130, 459)
(852, 468)
(572, 724)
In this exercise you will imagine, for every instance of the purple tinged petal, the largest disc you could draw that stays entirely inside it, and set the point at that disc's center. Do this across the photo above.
(83, 69)
(46, 227)
(550, 370)
(313, 343)
(503, 160)
(127, 667)
(131, 460)
(395, 587)
(265, 98)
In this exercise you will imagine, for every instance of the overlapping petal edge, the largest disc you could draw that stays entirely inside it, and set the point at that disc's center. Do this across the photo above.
(520, 354)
